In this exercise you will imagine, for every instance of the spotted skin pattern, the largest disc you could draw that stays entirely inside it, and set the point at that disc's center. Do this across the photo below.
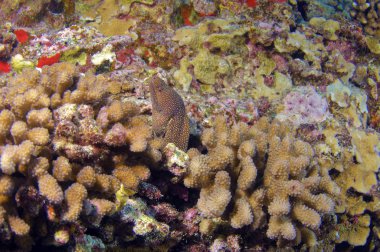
(169, 114)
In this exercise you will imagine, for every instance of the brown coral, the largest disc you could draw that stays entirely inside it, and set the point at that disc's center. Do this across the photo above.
(39, 136)
(18, 226)
(14, 156)
(131, 176)
(49, 187)
(74, 196)
(291, 185)
(59, 106)
(368, 14)
(87, 176)
(103, 206)
(62, 169)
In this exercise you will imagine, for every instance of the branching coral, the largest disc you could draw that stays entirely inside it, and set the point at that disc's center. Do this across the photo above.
(58, 107)
(368, 14)
(80, 136)
(76, 152)
(295, 190)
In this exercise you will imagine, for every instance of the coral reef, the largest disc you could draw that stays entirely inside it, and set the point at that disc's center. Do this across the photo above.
(367, 13)
(57, 107)
(295, 190)
(277, 101)
(144, 225)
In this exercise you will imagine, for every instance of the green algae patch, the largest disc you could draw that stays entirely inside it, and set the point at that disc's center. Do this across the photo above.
(217, 46)
(373, 44)
(282, 84)
(74, 55)
(19, 63)
(338, 93)
(181, 76)
(207, 65)
(327, 28)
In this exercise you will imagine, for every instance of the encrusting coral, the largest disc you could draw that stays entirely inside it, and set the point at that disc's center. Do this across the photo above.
(289, 182)
(358, 161)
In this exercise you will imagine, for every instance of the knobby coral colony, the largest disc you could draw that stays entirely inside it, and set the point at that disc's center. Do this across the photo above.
(59, 157)
(288, 188)
(86, 164)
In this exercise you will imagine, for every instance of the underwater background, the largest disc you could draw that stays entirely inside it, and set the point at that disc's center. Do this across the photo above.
(189, 125)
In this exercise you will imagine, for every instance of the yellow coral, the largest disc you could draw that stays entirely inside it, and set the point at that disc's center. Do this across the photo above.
(256, 201)
(25, 133)
(355, 231)
(281, 227)
(242, 214)
(6, 120)
(6, 184)
(32, 98)
(14, 155)
(307, 216)
(328, 28)
(39, 136)
(289, 177)
(141, 171)
(224, 35)
(247, 174)
(58, 77)
(130, 177)
(138, 134)
(2, 215)
(18, 131)
(62, 169)
(40, 118)
(74, 196)
(18, 225)
(49, 187)
(55, 101)
(87, 176)
(90, 88)
(6, 188)
(279, 206)
(115, 111)
(39, 167)
(103, 206)
(103, 182)
(213, 200)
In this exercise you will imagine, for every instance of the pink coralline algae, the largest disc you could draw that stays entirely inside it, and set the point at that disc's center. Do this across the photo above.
(304, 106)
(345, 48)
